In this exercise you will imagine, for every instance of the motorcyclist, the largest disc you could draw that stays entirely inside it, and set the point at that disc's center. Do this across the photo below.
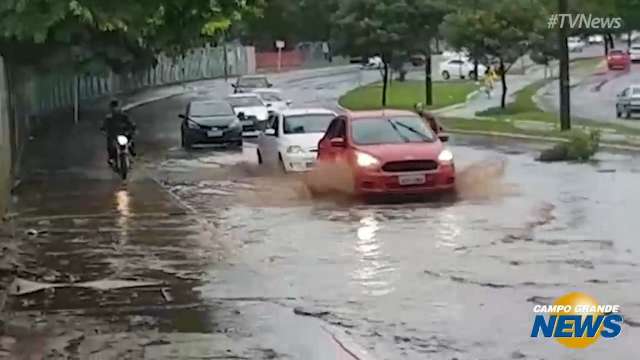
(429, 118)
(117, 122)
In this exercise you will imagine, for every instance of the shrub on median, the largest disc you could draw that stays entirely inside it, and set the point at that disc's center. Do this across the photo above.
(582, 146)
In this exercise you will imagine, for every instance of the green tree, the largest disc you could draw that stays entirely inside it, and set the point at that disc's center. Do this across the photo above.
(116, 33)
(502, 32)
(369, 27)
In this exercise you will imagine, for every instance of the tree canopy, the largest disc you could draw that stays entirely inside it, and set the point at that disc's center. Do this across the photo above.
(121, 34)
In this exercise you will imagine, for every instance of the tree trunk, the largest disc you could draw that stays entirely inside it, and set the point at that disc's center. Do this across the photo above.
(428, 84)
(503, 78)
(475, 69)
(612, 44)
(606, 46)
(385, 81)
(629, 40)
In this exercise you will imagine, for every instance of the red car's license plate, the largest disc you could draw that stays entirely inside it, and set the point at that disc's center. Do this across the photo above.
(406, 180)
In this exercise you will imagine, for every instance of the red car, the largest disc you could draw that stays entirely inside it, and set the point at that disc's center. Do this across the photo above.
(389, 152)
(618, 59)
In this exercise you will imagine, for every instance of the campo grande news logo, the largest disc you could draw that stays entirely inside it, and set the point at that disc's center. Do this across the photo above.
(577, 321)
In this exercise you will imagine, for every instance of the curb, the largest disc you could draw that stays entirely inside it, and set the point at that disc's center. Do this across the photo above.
(538, 138)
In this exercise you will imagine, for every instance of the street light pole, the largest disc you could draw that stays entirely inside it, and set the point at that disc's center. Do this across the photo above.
(565, 95)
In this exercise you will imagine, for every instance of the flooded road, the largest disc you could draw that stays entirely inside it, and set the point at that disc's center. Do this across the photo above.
(205, 255)
(443, 280)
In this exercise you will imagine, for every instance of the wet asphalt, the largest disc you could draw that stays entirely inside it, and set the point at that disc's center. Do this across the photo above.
(204, 255)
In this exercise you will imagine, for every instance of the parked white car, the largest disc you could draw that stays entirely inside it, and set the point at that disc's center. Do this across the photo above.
(460, 68)
(595, 39)
(291, 140)
(273, 99)
(458, 55)
(634, 53)
(575, 44)
(251, 110)
(374, 62)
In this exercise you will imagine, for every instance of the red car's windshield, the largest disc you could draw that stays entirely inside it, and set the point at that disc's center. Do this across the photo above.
(391, 130)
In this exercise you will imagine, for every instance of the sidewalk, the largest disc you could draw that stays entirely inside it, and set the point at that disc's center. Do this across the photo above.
(480, 101)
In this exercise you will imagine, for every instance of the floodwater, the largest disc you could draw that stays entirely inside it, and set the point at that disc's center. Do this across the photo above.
(439, 279)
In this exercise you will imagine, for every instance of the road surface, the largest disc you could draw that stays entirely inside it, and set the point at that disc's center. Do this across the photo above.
(204, 255)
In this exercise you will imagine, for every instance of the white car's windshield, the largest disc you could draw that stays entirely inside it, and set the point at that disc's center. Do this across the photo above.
(245, 101)
(253, 82)
(391, 130)
(308, 123)
(271, 97)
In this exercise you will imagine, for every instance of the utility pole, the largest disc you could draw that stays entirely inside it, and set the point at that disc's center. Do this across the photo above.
(565, 95)
(428, 84)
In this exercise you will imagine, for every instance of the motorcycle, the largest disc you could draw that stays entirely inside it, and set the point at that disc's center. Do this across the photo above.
(122, 162)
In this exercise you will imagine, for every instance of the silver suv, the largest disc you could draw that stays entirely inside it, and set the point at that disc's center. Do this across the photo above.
(628, 102)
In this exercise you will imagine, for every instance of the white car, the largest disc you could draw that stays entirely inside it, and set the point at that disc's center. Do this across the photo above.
(460, 68)
(273, 99)
(634, 53)
(251, 110)
(374, 63)
(458, 55)
(575, 44)
(595, 39)
(291, 140)
(635, 35)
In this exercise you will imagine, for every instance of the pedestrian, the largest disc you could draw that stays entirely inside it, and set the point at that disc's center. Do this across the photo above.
(489, 80)
(326, 51)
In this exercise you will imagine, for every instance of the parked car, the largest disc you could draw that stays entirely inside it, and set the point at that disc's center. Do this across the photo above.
(635, 35)
(628, 102)
(575, 44)
(374, 62)
(210, 122)
(634, 53)
(249, 83)
(618, 59)
(459, 68)
(389, 152)
(291, 140)
(596, 39)
(417, 59)
(251, 110)
(458, 55)
(273, 99)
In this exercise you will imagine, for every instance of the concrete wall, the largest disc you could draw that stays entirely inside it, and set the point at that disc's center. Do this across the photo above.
(5, 141)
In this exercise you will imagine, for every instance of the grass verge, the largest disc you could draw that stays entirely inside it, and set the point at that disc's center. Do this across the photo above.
(404, 95)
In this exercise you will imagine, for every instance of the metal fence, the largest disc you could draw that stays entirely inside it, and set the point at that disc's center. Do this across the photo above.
(53, 91)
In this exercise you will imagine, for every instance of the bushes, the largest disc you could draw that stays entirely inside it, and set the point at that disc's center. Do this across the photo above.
(581, 146)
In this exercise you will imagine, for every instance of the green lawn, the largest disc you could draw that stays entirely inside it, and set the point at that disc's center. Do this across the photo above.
(404, 95)
(523, 108)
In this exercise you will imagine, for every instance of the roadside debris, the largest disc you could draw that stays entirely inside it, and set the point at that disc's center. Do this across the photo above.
(23, 287)
(310, 312)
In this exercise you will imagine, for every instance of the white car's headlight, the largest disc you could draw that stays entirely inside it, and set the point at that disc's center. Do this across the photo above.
(122, 140)
(263, 116)
(366, 160)
(445, 156)
(294, 149)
